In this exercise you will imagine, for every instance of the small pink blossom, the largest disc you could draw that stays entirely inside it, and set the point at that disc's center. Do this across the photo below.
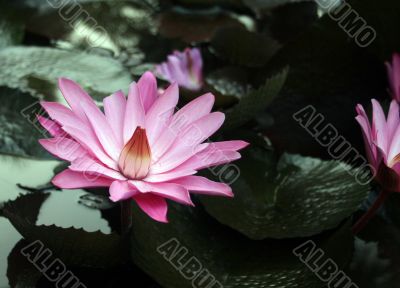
(382, 143)
(139, 147)
(184, 68)
(393, 71)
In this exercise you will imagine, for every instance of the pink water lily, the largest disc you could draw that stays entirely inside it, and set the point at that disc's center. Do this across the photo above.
(382, 144)
(184, 68)
(393, 71)
(139, 147)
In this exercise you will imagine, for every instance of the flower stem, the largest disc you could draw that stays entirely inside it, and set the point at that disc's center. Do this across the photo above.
(126, 216)
(371, 212)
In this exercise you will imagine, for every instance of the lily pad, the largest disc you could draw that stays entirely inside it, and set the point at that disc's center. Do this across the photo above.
(229, 259)
(99, 75)
(228, 84)
(19, 129)
(255, 101)
(127, 29)
(293, 196)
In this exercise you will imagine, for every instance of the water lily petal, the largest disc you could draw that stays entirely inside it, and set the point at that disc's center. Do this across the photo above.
(379, 128)
(160, 113)
(134, 113)
(154, 206)
(92, 169)
(202, 185)
(69, 179)
(102, 129)
(147, 85)
(122, 190)
(189, 113)
(186, 144)
(91, 144)
(171, 191)
(207, 159)
(64, 148)
(75, 96)
(51, 126)
(168, 176)
(114, 109)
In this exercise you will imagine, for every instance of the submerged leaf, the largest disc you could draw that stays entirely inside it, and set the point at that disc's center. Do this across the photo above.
(99, 75)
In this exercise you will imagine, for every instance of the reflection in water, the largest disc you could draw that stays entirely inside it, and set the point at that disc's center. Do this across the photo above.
(27, 172)
(61, 208)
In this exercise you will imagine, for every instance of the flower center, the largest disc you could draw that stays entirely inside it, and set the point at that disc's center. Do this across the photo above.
(134, 161)
(394, 161)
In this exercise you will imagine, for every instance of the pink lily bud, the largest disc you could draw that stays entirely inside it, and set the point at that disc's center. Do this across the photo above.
(184, 68)
(382, 143)
(393, 70)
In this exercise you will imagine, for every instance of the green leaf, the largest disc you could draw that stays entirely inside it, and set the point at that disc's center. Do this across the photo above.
(255, 102)
(293, 196)
(19, 129)
(101, 76)
(126, 29)
(243, 47)
(74, 246)
(233, 260)
(228, 84)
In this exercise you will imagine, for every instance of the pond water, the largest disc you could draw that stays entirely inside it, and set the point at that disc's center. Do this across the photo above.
(62, 209)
